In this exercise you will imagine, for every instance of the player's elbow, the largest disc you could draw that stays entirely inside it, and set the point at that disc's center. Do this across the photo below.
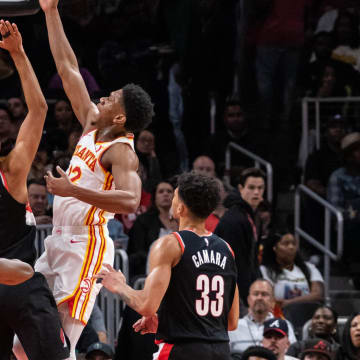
(130, 206)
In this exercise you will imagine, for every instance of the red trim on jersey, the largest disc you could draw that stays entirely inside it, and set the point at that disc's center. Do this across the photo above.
(165, 352)
(180, 240)
(231, 250)
(3, 178)
(158, 342)
(209, 233)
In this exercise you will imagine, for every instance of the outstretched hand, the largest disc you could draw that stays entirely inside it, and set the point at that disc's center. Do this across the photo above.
(48, 4)
(146, 325)
(11, 37)
(112, 279)
(61, 186)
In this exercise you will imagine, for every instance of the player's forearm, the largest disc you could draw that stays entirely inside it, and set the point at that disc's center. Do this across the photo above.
(114, 201)
(61, 50)
(136, 299)
(34, 97)
(13, 272)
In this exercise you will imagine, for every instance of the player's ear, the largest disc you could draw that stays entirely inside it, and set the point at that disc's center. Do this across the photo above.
(119, 119)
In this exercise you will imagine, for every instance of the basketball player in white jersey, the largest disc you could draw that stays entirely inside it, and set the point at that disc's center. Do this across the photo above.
(101, 180)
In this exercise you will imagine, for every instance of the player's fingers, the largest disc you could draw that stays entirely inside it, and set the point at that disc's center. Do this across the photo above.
(61, 171)
(2, 27)
(109, 267)
(50, 175)
(9, 27)
(15, 28)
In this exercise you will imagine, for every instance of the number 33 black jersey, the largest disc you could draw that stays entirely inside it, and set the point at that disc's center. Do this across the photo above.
(201, 291)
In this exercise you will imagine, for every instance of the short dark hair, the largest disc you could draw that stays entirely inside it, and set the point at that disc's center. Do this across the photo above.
(258, 351)
(40, 181)
(139, 109)
(200, 193)
(254, 172)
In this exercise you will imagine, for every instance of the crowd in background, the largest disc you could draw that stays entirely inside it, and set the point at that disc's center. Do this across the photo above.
(217, 72)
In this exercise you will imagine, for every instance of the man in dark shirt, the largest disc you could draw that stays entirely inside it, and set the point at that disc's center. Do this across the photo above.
(193, 277)
(237, 227)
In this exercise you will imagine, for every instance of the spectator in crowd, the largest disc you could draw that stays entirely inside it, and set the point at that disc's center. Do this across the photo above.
(237, 129)
(55, 83)
(41, 163)
(62, 158)
(311, 80)
(319, 166)
(344, 192)
(38, 201)
(263, 219)
(275, 338)
(97, 322)
(204, 165)
(347, 39)
(250, 328)
(213, 220)
(18, 109)
(279, 42)
(64, 122)
(99, 351)
(293, 279)
(6, 131)
(317, 349)
(328, 19)
(151, 225)
(321, 163)
(350, 342)
(116, 232)
(255, 352)
(237, 227)
(145, 149)
(322, 326)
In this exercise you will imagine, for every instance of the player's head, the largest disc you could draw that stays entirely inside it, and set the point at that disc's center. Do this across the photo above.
(129, 108)
(196, 196)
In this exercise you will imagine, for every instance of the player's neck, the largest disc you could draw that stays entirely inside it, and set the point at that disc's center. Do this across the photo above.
(110, 133)
(197, 226)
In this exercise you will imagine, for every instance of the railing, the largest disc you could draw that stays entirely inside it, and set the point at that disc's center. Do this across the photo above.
(305, 118)
(110, 305)
(257, 160)
(328, 208)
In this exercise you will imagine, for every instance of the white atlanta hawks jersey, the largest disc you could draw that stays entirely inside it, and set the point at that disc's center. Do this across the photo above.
(86, 170)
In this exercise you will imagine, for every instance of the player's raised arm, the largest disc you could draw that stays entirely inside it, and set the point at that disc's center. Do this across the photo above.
(67, 65)
(126, 196)
(18, 163)
(14, 272)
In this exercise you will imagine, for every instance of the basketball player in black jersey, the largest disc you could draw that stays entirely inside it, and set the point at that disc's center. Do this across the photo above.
(27, 309)
(191, 284)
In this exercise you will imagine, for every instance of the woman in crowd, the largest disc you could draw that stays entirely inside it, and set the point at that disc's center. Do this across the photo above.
(350, 342)
(293, 279)
(322, 326)
(149, 226)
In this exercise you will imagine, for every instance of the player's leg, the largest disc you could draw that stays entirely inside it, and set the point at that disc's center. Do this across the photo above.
(38, 325)
(72, 327)
(6, 339)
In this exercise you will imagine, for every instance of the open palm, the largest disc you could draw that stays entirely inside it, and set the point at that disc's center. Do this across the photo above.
(48, 4)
